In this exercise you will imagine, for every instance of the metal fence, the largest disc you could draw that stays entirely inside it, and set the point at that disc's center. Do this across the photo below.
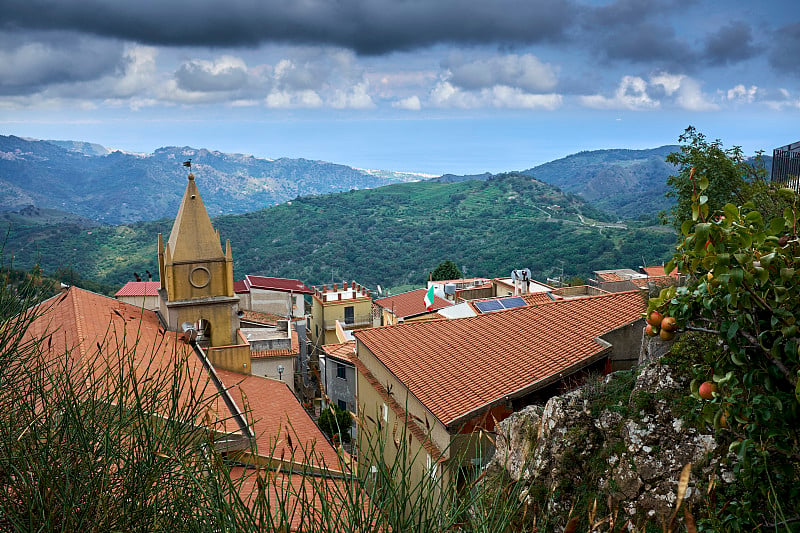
(786, 165)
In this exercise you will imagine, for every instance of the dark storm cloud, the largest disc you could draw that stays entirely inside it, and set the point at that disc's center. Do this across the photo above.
(786, 49)
(32, 62)
(638, 32)
(730, 44)
(203, 76)
(366, 26)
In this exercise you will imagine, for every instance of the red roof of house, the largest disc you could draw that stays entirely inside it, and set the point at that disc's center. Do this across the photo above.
(536, 298)
(95, 330)
(240, 287)
(481, 360)
(344, 351)
(658, 271)
(271, 284)
(139, 288)
(278, 418)
(283, 352)
(410, 303)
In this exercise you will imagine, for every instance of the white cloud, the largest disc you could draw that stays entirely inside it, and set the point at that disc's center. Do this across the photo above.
(669, 82)
(411, 103)
(445, 94)
(288, 100)
(740, 93)
(525, 72)
(634, 93)
(354, 98)
(630, 94)
(690, 97)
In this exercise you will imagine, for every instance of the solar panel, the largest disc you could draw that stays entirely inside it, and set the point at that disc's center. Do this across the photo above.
(514, 301)
(487, 306)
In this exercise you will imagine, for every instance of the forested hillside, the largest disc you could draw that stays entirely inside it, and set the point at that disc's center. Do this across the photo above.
(390, 236)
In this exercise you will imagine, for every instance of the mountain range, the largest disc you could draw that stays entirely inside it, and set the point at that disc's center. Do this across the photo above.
(392, 235)
(116, 187)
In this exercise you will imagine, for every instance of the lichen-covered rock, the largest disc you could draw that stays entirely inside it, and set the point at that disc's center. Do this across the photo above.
(627, 442)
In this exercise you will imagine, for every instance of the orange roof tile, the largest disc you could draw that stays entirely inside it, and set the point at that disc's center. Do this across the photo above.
(610, 276)
(94, 330)
(658, 271)
(139, 288)
(343, 351)
(276, 416)
(410, 303)
(483, 359)
(284, 352)
(261, 318)
(537, 298)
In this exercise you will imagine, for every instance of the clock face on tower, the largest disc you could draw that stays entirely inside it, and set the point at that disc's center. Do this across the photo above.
(199, 277)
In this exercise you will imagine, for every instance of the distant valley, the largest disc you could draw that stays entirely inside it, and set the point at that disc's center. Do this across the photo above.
(391, 235)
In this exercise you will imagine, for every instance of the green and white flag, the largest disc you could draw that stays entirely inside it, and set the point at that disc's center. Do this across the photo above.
(429, 299)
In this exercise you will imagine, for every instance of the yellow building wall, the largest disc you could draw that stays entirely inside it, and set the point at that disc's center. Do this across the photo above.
(324, 318)
(384, 439)
(234, 358)
(223, 323)
(369, 402)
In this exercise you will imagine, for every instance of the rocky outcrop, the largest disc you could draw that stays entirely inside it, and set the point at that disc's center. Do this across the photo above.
(622, 439)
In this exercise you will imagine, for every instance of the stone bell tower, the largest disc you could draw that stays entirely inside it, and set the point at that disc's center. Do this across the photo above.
(196, 276)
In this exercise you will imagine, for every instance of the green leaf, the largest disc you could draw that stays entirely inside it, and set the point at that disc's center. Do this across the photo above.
(731, 211)
(695, 211)
(777, 224)
(703, 199)
(787, 273)
(686, 227)
(703, 183)
(766, 259)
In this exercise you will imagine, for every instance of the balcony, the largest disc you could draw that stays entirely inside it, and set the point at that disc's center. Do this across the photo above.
(786, 166)
(356, 321)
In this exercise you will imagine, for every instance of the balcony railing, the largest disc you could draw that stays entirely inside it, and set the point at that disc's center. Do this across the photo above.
(786, 166)
(355, 322)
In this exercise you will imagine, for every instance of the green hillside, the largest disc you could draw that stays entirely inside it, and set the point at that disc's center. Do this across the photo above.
(626, 183)
(390, 236)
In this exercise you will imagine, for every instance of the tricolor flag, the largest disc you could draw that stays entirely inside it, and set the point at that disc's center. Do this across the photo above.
(429, 299)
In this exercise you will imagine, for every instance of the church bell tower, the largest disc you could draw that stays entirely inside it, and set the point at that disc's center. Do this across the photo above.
(197, 276)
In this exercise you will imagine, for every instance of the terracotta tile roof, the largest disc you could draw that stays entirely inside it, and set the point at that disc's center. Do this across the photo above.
(276, 416)
(537, 298)
(277, 284)
(261, 318)
(480, 360)
(294, 496)
(610, 276)
(285, 352)
(139, 288)
(343, 351)
(657, 280)
(94, 330)
(410, 303)
(658, 271)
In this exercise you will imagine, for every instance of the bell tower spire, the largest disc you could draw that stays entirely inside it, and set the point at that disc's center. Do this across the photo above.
(196, 274)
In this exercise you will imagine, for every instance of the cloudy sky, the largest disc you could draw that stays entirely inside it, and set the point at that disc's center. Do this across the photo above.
(420, 85)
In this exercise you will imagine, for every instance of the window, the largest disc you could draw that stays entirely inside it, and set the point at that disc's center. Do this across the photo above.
(341, 371)
(431, 467)
(349, 315)
(342, 405)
